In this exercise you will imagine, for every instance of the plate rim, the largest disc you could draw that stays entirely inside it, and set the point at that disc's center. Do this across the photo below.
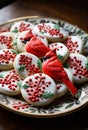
(67, 112)
(70, 110)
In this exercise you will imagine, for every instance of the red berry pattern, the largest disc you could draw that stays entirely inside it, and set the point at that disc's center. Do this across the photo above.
(29, 66)
(6, 40)
(48, 29)
(10, 80)
(7, 56)
(4, 30)
(36, 87)
(72, 46)
(80, 70)
(23, 27)
(56, 46)
(20, 105)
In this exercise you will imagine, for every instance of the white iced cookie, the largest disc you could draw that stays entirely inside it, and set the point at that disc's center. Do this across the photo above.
(21, 26)
(61, 87)
(22, 39)
(43, 40)
(6, 40)
(7, 57)
(26, 64)
(61, 50)
(51, 31)
(38, 89)
(78, 65)
(10, 82)
(74, 44)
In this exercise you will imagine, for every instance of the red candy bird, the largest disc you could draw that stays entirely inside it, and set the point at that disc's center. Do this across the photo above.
(53, 67)
(36, 47)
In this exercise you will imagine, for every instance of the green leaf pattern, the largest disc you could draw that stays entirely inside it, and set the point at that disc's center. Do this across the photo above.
(39, 64)
(47, 95)
(21, 68)
(60, 57)
(15, 31)
(25, 86)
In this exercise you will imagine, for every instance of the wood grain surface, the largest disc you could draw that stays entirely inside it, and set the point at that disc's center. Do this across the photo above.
(75, 12)
(49, 8)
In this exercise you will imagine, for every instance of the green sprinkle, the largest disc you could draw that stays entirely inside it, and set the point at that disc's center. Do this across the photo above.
(42, 32)
(46, 95)
(15, 51)
(56, 27)
(21, 68)
(60, 57)
(15, 31)
(66, 65)
(25, 86)
(86, 65)
(14, 43)
(19, 84)
(39, 64)
(1, 76)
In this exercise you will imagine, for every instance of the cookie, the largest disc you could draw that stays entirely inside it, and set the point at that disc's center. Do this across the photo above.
(10, 82)
(38, 89)
(61, 50)
(74, 44)
(26, 64)
(23, 38)
(43, 40)
(61, 87)
(7, 57)
(78, 65)
(21, 26)
(37, 46)
(6, 40)
(51, 31)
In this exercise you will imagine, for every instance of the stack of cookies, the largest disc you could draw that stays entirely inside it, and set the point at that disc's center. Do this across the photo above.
(22, 53)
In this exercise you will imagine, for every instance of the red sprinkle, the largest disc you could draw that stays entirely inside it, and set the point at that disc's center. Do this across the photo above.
(6, 40)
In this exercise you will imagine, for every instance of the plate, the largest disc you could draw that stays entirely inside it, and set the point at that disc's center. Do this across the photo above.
(62, 106)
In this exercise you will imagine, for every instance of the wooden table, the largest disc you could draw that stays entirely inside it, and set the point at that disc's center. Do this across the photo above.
(72, 12)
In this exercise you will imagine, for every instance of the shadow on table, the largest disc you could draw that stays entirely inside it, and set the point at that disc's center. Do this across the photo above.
(75, 121)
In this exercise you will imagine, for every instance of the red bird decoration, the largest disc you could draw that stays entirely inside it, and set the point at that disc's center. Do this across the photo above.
(53, 67)
(36, 47)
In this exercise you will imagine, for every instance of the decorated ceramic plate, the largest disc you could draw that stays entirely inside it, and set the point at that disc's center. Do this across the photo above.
(61, 106)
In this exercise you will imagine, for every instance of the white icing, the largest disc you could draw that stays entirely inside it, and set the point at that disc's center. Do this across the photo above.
(2, 52)
(50, 89)
(43, 39)
(6, 34)
(24, 73)
(17, 25)
(20, 44)
(61, 49)
(36, 30)
(83, 63)
(78, 48)
(7, 64)
(63, 88)
(6, 90)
